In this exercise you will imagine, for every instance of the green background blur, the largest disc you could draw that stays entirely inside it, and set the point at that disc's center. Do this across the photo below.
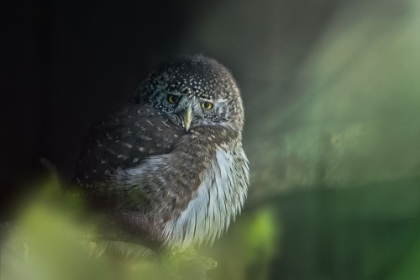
(332, 97)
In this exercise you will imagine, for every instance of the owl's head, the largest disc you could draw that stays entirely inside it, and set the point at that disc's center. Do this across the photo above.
(193, 91)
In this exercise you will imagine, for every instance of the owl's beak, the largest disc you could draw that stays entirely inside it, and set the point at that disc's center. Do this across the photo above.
(186, 122)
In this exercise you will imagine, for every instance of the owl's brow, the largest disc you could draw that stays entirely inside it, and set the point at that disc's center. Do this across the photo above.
(220, 100)
(207, 100)
(177, 93)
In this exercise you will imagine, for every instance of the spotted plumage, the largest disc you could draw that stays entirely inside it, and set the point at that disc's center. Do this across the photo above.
(172, 155)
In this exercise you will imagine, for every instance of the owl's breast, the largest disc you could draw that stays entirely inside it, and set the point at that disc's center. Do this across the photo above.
(218, 200)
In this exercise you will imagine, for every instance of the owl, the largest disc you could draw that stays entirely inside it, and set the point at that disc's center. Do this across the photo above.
(168, 165)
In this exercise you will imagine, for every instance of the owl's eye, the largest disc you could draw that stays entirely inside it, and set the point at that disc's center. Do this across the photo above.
(207, 105)
(173, 99)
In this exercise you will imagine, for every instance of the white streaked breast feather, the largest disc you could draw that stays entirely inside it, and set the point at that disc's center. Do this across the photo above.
(217, 201)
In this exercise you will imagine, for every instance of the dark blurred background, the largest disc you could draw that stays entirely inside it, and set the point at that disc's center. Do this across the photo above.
(331, 90)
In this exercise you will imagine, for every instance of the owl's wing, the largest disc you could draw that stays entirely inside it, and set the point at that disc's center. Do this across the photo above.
(120, 140)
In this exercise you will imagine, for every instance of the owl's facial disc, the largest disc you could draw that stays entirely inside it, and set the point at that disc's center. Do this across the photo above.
(197, 82)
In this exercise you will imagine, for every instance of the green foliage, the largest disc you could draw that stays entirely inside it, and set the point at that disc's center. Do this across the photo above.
(49, 241)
